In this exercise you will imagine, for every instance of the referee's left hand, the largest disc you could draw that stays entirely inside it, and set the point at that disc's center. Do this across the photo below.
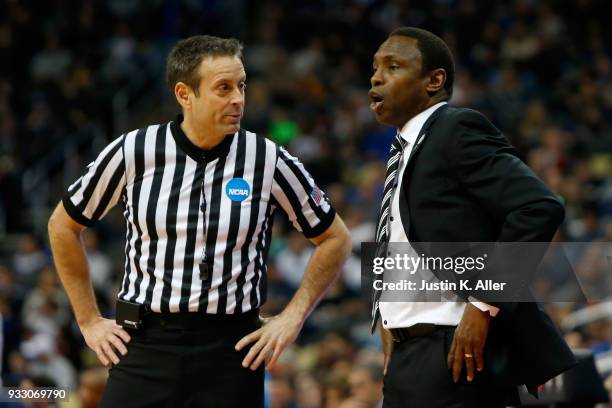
(273, 337)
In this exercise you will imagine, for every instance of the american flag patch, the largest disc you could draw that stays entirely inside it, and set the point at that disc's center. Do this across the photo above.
(317, 195)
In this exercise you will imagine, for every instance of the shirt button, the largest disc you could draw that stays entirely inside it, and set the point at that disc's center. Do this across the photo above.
(389, 253)
(384, 322)
(392, 218)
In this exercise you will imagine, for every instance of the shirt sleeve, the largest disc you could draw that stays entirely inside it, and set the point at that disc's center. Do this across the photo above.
(295, 190)
(484, 307)
(90, 197)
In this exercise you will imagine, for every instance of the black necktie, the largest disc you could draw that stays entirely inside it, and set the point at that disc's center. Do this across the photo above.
(382, 230)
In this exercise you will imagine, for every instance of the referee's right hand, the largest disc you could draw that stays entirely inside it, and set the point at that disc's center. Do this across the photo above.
(105, 337)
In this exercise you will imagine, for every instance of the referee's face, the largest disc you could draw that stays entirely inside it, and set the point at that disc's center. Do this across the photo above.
(219, 105)
(399, 88)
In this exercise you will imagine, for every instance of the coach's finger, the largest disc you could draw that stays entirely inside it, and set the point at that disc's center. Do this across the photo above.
(479, 358)
(457, 362)
(469, 363)
(451, 354)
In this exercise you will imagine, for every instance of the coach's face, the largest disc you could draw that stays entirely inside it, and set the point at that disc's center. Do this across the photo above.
(219, 105)
(399, 88)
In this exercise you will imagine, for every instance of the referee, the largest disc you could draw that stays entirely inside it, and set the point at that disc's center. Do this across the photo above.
(198, 195)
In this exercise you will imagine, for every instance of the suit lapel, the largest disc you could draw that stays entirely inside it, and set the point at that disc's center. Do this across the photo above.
(418, 144)
(422, 134)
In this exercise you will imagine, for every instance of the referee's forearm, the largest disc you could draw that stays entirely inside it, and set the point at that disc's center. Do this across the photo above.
(72, 267)
(331, 252)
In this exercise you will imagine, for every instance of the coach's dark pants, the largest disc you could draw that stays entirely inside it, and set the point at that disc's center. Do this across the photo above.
(418, 377)
(176, 363)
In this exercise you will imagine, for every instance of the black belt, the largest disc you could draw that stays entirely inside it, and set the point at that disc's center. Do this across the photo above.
(196, 320)
(418, 330)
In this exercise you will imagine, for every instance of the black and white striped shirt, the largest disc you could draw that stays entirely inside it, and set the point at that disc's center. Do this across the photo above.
(179, 201)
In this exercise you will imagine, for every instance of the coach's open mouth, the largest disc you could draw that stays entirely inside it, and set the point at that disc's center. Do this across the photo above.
(377, 101)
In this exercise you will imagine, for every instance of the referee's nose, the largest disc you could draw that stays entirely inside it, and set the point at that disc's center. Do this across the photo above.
(238, 99)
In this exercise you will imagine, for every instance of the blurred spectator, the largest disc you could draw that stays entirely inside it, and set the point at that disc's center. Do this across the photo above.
(281, 392)
(46, 308)
(366, 384)
(335, 390)
(44, 361)
(100, 265)
(89, 392)
(29, 260)
(52, 62)
(308, 392)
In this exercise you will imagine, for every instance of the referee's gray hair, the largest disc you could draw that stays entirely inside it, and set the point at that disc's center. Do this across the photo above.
(184, 59)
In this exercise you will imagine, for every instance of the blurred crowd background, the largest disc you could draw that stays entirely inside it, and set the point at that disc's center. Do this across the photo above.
(76, 74)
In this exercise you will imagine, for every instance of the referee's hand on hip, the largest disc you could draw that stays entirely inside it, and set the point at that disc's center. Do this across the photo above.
(270, 340)
(105, 337)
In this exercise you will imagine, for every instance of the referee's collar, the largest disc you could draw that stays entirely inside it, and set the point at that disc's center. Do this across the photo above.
(195, 152)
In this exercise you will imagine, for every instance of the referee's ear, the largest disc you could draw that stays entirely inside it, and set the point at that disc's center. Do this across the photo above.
(182, 92)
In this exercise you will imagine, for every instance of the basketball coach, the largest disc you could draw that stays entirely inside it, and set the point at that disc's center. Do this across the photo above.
(453, 177)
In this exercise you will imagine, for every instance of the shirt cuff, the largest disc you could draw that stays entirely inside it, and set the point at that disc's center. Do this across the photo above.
(485, 307)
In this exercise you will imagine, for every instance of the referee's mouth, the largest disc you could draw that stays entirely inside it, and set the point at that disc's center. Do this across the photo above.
(234, 117)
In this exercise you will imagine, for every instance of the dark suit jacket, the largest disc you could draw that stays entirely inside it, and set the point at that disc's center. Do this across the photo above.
(464, 183)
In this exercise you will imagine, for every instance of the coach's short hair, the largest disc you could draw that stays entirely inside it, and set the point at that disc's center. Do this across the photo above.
(434, 53)
(184, 60)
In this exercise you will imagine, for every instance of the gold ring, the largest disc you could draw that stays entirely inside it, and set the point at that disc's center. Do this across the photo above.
(469, 356)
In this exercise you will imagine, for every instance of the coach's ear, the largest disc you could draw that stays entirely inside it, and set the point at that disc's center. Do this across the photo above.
(182, 92)
(437, 79)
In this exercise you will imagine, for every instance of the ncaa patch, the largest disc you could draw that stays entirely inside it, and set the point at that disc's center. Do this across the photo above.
(237, 189)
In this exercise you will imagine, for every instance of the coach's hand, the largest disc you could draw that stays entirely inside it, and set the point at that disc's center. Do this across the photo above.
(271, 339)
(102, 335)
(468, 342)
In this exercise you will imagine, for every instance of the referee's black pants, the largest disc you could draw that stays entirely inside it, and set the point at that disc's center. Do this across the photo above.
(186, 360)
(418, 377)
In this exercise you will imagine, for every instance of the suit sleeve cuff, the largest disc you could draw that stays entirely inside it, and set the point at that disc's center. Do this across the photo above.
(492, 310)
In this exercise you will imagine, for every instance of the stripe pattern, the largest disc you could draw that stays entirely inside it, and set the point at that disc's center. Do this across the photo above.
(397, 148)
(177, 205)
(382, 230)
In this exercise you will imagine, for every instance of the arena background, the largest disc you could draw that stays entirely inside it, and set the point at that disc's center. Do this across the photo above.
(76, 74)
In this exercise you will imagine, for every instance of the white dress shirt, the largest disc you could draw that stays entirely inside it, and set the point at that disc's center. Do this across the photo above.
(406, 314)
